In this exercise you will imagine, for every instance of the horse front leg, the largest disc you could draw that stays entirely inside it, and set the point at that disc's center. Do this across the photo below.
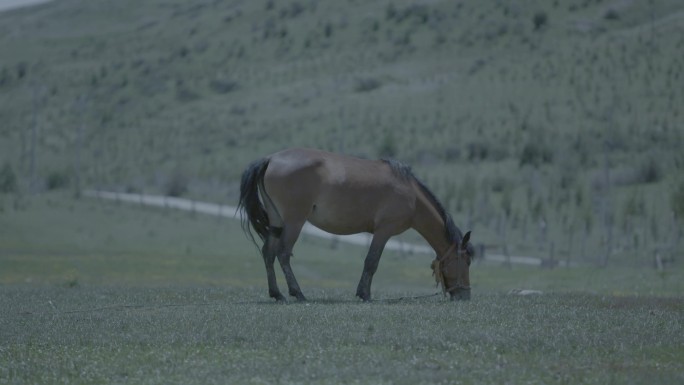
(370, 266)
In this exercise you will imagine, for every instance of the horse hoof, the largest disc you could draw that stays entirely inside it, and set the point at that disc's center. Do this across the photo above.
(300, 297)
(364, 297)
(278, 297)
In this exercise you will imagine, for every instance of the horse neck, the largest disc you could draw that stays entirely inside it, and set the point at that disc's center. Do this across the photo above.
(430, 225)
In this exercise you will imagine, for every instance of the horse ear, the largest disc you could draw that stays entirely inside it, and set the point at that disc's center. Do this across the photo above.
(466, 238)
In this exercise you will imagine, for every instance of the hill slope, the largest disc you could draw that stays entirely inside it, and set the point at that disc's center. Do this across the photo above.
(565, 114)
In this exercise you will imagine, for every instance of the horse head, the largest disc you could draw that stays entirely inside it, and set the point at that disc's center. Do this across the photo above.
(452, 271)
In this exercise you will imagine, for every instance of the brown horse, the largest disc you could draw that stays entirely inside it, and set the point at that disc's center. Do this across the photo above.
(346, 195)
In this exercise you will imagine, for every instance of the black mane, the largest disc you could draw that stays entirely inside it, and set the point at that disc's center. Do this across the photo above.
(402, 170)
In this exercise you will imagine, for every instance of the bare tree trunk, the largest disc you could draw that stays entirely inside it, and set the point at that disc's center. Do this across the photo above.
(79, 147)
(606, 205)
(583, 248)
(571, 235)
(542, 237)
(502, 233)
(23, 151)
(674, 237)
(32, 144)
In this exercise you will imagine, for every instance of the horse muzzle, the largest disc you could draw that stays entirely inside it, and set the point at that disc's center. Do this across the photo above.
(460, 294)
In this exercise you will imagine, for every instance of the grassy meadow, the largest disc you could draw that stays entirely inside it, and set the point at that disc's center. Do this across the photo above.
(212, 335)
(97, 292)
(550, 129)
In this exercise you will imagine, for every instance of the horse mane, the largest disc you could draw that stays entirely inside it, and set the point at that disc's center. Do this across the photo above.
(402, 170)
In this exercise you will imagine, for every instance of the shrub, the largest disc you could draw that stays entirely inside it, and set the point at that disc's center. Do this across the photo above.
(611, 14)
(8, 179)
(539, 20)
(22, 68)
(678, 200)
(177, 185)
(292, 11)
(388, 147)
(477, 151)
(4, 77)
(535, 154)
(185, 95)
(222, 86)
(507, 201)
(391, 11)
(418, 12)
(452, 153)
(499, 184)
(367, 84)
(650, 171)
(57, 180)
(634, 206)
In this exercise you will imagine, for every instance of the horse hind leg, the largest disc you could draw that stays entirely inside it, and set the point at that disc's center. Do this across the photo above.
(291, 232)
(272, 245)
(268, 251)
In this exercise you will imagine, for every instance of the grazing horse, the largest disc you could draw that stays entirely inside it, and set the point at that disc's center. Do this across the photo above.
(342, 195)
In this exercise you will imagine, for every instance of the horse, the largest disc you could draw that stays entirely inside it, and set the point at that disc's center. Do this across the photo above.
(342, 194)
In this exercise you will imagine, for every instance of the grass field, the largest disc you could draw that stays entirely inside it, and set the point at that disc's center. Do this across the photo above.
(110, 293)
(207, 335)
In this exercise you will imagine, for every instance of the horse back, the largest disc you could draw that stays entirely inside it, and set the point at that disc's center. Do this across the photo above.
(338, 193)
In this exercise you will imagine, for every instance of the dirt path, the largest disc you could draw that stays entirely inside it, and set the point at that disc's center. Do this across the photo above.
(6, 5)
(231, 212)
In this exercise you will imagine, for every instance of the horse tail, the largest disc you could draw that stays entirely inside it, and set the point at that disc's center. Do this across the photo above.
(251, 209)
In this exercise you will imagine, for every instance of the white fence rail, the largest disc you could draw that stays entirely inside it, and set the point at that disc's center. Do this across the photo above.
(231, 212)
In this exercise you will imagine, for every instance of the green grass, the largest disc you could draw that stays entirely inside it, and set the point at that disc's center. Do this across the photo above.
(57, 240)
(90, 295)
(209, 335)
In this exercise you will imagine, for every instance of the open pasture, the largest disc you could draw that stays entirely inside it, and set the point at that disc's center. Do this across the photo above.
(208, 335)
(153, 296)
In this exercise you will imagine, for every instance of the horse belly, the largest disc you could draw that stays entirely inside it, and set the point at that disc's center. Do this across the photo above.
(340, 220)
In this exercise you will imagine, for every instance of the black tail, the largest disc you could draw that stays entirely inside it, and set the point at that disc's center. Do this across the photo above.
(252, 211)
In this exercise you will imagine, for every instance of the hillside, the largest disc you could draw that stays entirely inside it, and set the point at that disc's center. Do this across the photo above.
(553, 128)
